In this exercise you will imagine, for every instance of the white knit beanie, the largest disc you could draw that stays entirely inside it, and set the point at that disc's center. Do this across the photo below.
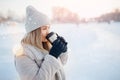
(35, 19)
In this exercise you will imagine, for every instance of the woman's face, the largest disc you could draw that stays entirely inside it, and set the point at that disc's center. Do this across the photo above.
(44, 32)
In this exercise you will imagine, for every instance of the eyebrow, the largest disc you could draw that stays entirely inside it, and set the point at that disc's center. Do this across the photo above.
(46, 26)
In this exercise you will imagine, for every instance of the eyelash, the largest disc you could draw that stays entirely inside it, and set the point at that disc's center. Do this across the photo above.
(45, 28)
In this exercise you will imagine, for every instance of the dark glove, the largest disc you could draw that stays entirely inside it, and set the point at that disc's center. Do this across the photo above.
(63, 42)
(59, 46)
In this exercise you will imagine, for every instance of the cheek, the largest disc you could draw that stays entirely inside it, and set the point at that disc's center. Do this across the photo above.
(43, 34)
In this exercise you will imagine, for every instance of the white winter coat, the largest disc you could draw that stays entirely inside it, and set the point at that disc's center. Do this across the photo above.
(32, 64)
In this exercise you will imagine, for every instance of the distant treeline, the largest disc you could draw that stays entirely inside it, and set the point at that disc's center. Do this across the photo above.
(109, 17)
(11, 16)
(63, 15)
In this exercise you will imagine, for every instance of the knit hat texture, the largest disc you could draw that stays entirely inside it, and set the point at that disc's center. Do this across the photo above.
(35, 19)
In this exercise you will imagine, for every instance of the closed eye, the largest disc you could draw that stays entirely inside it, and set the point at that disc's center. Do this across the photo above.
(45, 27)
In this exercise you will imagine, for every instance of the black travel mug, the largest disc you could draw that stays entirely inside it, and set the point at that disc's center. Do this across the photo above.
(51, 37)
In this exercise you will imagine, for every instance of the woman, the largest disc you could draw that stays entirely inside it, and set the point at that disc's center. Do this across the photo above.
(37, 59)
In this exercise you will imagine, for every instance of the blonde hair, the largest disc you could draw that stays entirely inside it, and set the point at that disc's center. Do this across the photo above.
(34, 38)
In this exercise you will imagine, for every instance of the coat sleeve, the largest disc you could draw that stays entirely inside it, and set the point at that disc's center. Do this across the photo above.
(28, 69)
(64, 57)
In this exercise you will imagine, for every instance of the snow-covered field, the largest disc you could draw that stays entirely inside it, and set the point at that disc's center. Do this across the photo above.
(95, 50)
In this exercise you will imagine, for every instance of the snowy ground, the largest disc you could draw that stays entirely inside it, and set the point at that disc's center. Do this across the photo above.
(95, 50)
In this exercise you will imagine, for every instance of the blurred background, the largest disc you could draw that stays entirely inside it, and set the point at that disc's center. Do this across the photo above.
(91, 27)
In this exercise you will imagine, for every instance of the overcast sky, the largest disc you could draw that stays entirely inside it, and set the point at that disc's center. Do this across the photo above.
(85, 8)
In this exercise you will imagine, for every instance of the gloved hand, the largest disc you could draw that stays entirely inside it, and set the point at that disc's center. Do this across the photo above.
(59, 46)
(64, 42)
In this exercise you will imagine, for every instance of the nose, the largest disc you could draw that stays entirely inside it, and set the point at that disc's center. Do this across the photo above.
(47, 32)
